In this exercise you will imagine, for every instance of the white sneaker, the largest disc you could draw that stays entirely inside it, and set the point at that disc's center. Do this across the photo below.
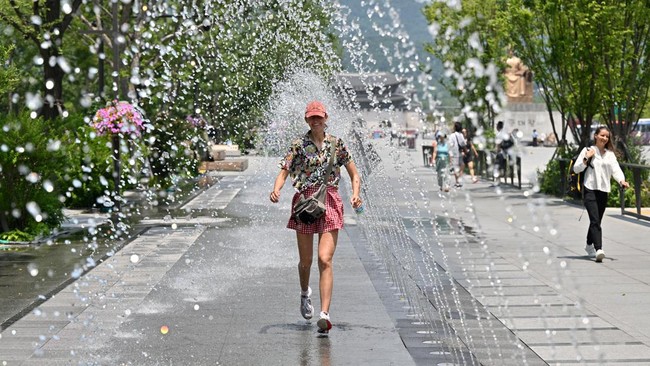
(324, 324)
(306, 309)
(591, 251)
(600, 255)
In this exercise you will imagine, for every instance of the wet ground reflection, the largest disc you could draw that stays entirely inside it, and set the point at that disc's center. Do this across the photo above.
(29, 274)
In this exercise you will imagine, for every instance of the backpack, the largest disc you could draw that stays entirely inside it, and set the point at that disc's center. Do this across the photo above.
(575, 181)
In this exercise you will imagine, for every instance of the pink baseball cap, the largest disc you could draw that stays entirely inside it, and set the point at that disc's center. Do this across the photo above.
(315, 108)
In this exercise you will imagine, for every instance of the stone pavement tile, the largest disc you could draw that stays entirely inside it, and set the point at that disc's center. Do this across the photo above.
(501, 281)
(533, 337)
(28, 333)
(20, 342)
(50, 362)
(525, 300)
(17, 349)
(594, 353)
(512, 291)
(577, 280)
(503, 276)
(641, 274)
(32, 324)
(562, 323)
(612, 292)
(537, 310)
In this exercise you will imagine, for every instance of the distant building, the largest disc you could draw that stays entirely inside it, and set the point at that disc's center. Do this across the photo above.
(382, 98)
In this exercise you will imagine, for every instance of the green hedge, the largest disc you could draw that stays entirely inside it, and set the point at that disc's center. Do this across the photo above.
(31, 159)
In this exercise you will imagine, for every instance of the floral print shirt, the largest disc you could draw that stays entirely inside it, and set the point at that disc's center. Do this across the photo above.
(307, 165)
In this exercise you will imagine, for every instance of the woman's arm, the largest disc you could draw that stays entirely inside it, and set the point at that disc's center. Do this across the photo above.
(617, 173)
(581, 162)
(356, 183)
(435, 152)
(471, 144)
(279, 183)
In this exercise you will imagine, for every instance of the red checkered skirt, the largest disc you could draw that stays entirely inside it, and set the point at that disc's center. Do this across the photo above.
(332, 220)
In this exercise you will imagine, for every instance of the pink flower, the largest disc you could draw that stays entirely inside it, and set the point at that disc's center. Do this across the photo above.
(196, 121)
(118, 117)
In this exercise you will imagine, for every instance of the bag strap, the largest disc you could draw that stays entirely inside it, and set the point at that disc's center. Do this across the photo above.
(320, 194)
(584, 175)
(332, 157)
(458, 142)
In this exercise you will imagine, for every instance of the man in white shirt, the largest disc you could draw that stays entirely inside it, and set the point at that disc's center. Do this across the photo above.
(457, 144)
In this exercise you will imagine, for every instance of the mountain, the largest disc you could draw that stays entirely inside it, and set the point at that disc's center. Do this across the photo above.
(411, 21)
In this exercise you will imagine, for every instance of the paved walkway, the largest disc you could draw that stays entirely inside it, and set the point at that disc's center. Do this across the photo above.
(482, 275)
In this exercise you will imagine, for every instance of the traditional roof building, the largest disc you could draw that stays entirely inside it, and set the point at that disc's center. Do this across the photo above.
(383, 99)
(380, 90)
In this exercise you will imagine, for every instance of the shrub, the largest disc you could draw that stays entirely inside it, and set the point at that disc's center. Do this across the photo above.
(550, 179)
(172, 157)
(30, 163)
(90, 172)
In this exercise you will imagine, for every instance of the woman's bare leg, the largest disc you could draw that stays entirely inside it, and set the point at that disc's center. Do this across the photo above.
(326, 247)
(306, 254)
(470, 165)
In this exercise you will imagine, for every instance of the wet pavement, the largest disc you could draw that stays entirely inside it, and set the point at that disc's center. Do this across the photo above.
(219, 285)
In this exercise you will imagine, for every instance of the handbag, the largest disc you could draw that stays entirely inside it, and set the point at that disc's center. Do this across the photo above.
(309, 209)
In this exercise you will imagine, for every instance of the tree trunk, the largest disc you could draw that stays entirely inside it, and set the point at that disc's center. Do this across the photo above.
(53, 101)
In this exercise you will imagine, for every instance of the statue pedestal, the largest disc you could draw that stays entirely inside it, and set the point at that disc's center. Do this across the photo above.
(522, 118)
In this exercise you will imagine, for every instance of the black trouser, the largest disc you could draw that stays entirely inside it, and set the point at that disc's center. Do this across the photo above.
(595, 204)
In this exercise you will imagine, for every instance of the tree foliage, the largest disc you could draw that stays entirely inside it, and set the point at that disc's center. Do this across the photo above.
(469, 40)
(44, 23)
(9, 74)
(221, 59)
(590, 58)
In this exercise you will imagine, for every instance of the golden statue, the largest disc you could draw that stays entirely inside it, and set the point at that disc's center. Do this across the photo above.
(519, 80)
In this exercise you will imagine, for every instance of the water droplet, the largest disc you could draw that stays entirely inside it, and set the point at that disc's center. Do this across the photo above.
(33, 209)
(196, 306)
(33, 269)
(174, 226)
(76, 273)
(135, 258)
(48, 186)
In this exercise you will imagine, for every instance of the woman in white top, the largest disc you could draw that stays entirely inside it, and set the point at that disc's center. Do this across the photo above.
(601, 165)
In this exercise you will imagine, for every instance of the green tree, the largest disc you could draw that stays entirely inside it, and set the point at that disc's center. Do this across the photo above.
(223, 61)
(44, 23)
(589, 57)
(9, 75)
(469, 41)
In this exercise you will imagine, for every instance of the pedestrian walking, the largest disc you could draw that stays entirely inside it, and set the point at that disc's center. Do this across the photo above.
(503, 155)
(599, 164)
(440, 159)
(457, 151)
(307, 163)
(469, 157)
